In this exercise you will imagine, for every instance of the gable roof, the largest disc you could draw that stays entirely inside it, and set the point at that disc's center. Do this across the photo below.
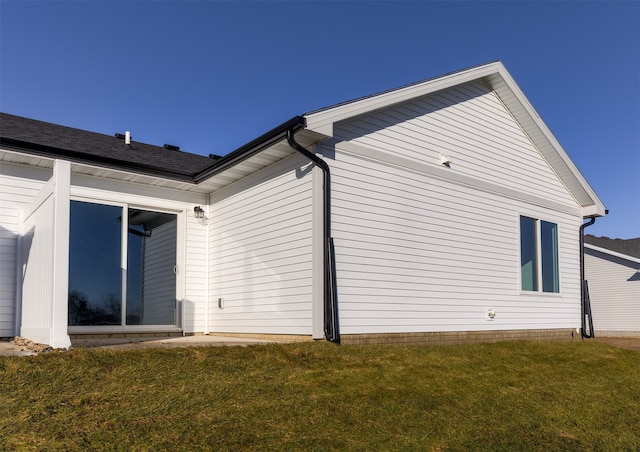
(629, 247)
(199, 173)
(500, 81)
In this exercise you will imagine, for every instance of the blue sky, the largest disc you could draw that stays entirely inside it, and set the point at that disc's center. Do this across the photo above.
(211, 76)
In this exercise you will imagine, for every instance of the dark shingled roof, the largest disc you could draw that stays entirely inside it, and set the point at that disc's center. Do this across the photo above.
(630, 247)
(79, 145)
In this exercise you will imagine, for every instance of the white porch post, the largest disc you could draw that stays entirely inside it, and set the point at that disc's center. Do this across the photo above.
(59, 302)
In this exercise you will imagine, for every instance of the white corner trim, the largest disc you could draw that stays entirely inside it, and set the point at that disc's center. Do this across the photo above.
(317, 253)
(60, 296)
(597, 210)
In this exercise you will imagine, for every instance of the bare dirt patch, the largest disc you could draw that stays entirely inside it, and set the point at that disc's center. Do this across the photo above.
(28, 344)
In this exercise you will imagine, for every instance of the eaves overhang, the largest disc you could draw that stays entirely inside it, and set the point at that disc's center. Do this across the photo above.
(220, 172)
(250, 149)
(50, 152)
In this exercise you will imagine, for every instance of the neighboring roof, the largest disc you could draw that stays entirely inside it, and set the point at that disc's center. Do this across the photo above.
(613, 253)
(496, 76)
(628, 247)
(52, 140)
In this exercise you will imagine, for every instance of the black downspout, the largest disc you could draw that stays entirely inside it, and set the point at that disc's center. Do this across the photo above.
(582, 282)
(331, 325)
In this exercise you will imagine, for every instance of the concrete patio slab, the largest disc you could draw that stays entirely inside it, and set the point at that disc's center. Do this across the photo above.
(165, 342)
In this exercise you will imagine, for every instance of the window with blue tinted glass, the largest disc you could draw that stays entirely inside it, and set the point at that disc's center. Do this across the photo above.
(539, 268)
(95, 273)
(549, 248)
(103, 290)
(528, 254)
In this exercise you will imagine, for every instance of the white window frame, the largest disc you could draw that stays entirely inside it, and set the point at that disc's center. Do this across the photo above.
(538, 245)
(179, 211)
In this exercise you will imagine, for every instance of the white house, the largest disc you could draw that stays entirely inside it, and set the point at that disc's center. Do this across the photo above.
(612, 269)
(441, 209)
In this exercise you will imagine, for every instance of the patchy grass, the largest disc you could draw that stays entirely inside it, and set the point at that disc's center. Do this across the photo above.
(317, 396)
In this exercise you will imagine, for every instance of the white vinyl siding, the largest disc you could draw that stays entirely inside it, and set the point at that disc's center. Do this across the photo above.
(260, 251)
(18, 186)
(614, 289)
(195, 306)
(471, 126)
(419, 254)
(38, 245)
(159, 280)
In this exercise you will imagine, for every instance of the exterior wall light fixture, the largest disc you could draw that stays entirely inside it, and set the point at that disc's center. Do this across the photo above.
(198, 212)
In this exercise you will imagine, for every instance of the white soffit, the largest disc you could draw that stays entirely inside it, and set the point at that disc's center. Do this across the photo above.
(262, 159)
(497, 77)
(24, 159)
(98, 171)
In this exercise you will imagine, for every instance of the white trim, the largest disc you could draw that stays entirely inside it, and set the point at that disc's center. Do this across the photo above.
(612, 253)
(112, 329)
(592, 211)
(507, 89)
(132, 193)
(124, 258)
(539, 290)
(180, 214)
(181, 266)
(43, 195)
(207, 294)
(317, 252)
(60, 292)
(103, 202)
(19, 274)
(447, 174)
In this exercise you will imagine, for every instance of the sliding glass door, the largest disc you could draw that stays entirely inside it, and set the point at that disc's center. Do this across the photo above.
(122, 264)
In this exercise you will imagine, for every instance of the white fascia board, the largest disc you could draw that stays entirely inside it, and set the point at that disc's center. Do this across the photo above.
(520, 107)
(323, 121)
(594, 210)
(612, 253)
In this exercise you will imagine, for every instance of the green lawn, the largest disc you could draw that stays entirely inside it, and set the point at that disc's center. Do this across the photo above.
(318, 396)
